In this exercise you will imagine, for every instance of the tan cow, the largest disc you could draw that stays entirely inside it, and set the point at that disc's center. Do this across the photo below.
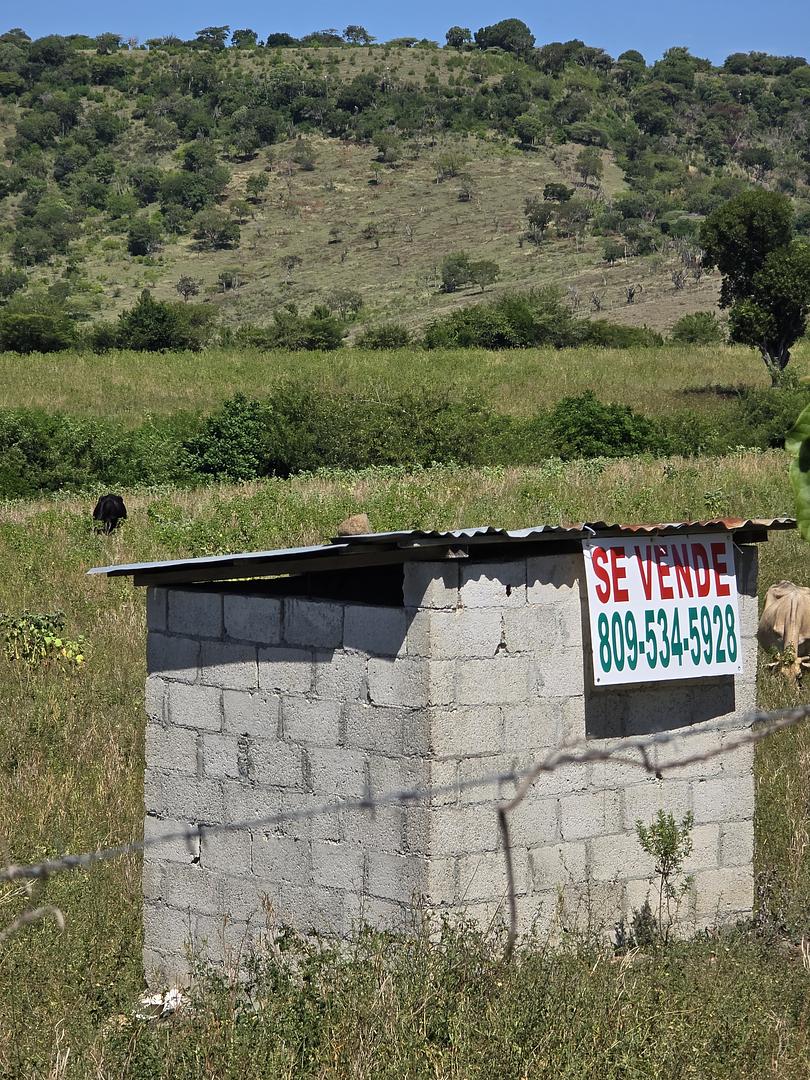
(785, 626)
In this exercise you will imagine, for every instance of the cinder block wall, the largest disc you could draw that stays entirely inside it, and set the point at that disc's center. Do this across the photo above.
(259, 705)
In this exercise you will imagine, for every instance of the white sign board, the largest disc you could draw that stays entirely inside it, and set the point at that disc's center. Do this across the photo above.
(662, 608)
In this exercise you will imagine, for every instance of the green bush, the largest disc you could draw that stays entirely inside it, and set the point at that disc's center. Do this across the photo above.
(582, 427)
(388, 336)
(617, 336)
(700, 328)
(158, 326)
(33, 331)
(513, 321)
(764, 417)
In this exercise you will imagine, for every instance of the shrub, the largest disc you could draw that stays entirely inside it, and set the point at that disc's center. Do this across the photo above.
(388, 336)
(764, 417)
(34, 331)
(582, 427)
(617, 336)
(515, 320)
(701, 328)
(156, 326)
(291, 330)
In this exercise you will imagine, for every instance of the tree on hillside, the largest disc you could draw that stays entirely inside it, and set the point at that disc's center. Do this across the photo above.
(589, 164)
(213, 37)
(358, 35)
(539, 216)
(484, 272)
(256, 186)
(215, 229)
(511, 35)
(187, 287)
(766, 273)
(458, 36)
(143, 237)
(244, 39)
(288, 264)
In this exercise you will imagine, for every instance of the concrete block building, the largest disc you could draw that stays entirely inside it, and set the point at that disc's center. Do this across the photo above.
(279, 681)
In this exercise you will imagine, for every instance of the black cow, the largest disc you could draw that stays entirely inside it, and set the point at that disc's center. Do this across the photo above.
(109, 511)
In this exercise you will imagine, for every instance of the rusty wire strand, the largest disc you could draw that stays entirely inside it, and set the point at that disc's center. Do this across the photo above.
(629, 751)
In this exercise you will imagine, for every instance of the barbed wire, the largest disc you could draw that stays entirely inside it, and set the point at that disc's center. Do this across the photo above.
(638, 751)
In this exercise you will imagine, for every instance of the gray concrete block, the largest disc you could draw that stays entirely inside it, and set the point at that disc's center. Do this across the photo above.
(398, 682)
(311, 909)
(503, 680)
(378, 631)
(442, 880)
(337, 866)
(381, 830)
(311, 723)
(396, 877)
(617, 858)
(554, 579)
(246, 712)
(153, 791)
(196, 889)
(460, 830)
(572, 729)
(152, 877)
(387, 774)
(385, 915)
(337, 772)
(419, 622)
(341, 676)
(243, 803)
(559, 779)
(737, 843)
(500, 584)
(465, 632)
(253, 618)
(166, 930)
(483, 876)
(195, 613)
(737, 760)
(441, 676)
(154, 699)
(376, 727)
(226, 851)
(278, 858)
(225, 942)
(175, 658)
(230, 666)
(179, 849)
(193, 800)
(221, 758)
(194, 706)
(161, 971)
(431, 584)
(172, 749)
(590, 813)
(533, 629)
(314, 623)
(560, 674)
(705, 849)
(723, 799)
(286, 671)
(461, 732)
(644, 799)
(533, 822)
(532, 726)
(415, 732)
(156, 609)
(693, 744)
(556, 865)
(723, 894)
(276, 764)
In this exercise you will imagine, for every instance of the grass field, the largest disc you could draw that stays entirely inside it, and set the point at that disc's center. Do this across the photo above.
(129, 385)
(71, 759)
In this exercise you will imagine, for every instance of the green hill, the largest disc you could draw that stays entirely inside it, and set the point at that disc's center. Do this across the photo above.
(337, 173)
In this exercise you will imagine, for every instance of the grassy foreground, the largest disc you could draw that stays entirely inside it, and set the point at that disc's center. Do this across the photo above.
(71, 759)
(130, 385)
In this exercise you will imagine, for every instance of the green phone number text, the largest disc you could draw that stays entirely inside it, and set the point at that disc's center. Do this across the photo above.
(709, 637)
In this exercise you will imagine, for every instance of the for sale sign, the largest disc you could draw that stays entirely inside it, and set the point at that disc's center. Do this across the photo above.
(662, 608)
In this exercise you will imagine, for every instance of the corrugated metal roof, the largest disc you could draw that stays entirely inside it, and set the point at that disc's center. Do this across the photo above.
(396, 546)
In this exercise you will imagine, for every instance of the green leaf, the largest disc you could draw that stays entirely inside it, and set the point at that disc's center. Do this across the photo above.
(797, 443)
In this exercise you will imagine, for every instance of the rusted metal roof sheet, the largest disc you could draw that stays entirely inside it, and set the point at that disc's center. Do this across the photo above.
(391, 547)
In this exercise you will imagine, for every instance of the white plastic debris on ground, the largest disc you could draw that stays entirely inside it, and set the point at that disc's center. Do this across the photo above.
(159, 1006)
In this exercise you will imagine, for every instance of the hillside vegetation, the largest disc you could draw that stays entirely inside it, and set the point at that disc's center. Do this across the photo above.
(305, 171)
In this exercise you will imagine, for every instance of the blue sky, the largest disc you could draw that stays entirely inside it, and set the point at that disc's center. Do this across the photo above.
(712, 28)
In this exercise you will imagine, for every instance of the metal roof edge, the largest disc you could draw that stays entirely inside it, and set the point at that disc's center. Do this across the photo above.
(405, 540)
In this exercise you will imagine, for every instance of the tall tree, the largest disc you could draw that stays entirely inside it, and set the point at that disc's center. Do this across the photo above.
(766, 273)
